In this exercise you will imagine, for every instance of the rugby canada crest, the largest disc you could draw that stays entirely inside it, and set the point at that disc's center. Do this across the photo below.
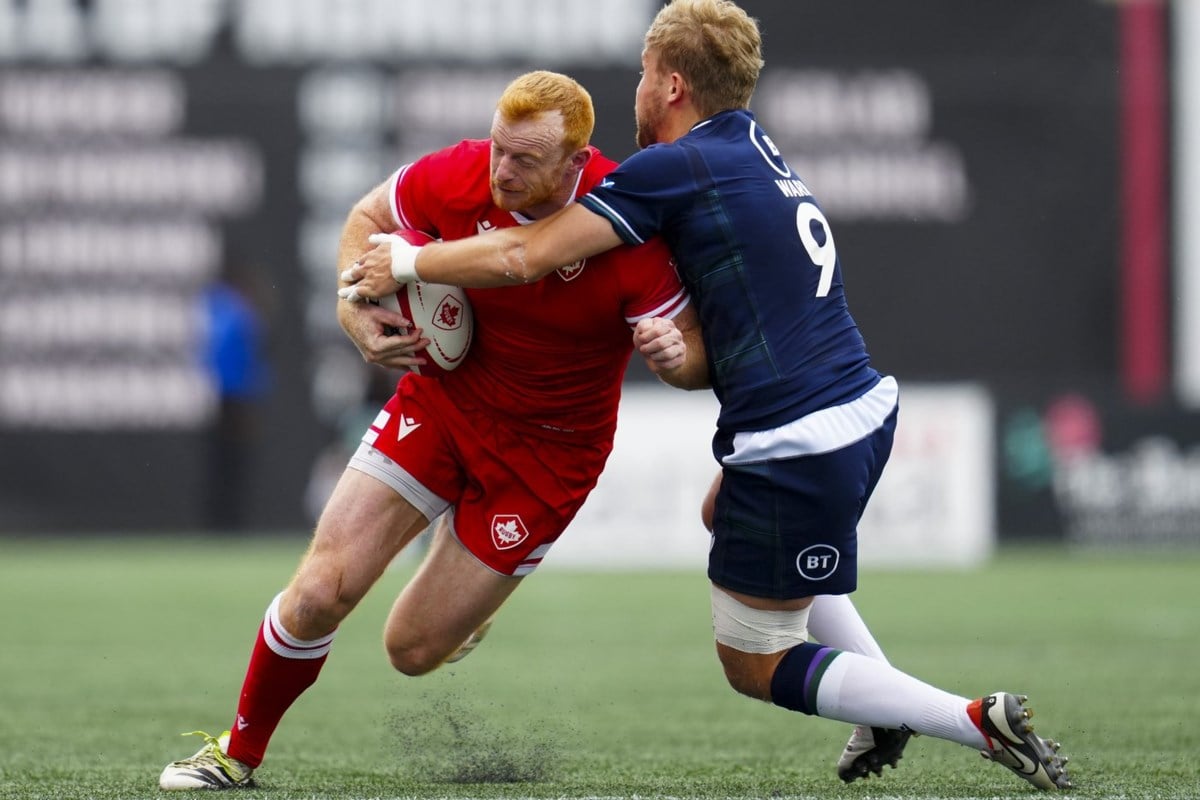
(449, 316)
(572, 271)
(508, 531)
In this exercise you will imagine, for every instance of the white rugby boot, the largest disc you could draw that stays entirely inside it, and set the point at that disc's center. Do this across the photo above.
(209, 768)
(1004, 721)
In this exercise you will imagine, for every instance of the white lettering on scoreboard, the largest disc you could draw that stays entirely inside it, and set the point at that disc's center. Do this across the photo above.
(862, 141)
(299, 31)
(105, 202)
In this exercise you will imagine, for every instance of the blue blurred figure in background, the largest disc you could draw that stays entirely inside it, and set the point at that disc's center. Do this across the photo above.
(233, 354)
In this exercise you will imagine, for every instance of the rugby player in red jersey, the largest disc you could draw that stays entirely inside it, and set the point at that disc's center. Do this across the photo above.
(508, 445)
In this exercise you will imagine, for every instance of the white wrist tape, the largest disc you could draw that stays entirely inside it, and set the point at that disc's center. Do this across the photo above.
(404, 261)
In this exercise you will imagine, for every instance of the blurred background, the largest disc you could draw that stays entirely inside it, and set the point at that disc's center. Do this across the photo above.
(1010, 184)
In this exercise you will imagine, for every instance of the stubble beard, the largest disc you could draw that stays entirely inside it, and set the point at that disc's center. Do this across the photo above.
(646, 130)
(643, 138)
(532, 198)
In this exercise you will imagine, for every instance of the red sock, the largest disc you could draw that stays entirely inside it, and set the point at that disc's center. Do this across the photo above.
(281, 668)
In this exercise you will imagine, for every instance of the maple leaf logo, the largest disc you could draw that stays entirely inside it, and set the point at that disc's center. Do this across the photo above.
(449, 314)
(508, 531)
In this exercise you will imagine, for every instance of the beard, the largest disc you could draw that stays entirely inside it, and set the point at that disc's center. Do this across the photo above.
(503, 199)
(644, 137)
(526, 198)
(647, 127)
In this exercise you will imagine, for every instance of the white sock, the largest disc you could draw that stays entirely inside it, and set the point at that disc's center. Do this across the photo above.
(863, 690)
(833, 620)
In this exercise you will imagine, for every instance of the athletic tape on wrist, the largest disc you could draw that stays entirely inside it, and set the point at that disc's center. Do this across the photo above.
(404, 261)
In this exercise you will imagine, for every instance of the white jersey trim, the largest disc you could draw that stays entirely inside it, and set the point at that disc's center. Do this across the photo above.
(669, 309)
(393, 186)
(532, 561)
(821, 431)
(374, 463)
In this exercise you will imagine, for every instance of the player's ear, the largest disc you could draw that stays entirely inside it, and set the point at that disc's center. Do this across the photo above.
(581, 157)
(678, 89)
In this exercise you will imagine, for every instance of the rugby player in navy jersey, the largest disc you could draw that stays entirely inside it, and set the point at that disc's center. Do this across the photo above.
(806, 422)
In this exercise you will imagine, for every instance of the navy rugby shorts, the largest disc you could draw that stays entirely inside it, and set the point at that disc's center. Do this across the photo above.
(788, 528)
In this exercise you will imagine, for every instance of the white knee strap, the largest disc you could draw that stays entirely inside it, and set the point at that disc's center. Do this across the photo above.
(753, 630)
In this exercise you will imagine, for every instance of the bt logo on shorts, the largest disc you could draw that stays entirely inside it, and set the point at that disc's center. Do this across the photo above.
(508, 531)
(818, 562)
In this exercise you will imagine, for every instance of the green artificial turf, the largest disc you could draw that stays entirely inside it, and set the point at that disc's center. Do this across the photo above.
(589, 685)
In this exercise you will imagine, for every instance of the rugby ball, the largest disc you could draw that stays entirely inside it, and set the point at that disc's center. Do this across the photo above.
(443, 313)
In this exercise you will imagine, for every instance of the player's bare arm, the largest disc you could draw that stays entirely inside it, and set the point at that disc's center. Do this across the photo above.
(372, 328)
(673, 349)
(497, 258)
(374, 332)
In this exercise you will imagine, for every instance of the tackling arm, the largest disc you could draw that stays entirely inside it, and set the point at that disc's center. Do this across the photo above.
(519, 255)
(498, 258)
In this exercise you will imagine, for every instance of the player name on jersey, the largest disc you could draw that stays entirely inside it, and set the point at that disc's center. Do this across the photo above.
(793, 187)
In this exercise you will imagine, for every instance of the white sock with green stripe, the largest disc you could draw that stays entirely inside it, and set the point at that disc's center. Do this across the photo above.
(833, 684)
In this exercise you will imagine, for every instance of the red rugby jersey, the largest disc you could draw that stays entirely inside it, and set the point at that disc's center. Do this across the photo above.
(550, 355)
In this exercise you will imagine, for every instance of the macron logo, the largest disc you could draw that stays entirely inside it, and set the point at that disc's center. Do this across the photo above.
(242, 724)
(407, 425)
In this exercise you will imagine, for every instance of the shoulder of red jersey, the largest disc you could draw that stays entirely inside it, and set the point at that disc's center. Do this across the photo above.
(452, 180)
(647, 279)
(594, 171)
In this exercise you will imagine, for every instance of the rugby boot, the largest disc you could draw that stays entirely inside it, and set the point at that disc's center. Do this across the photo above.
(209, 768)
(868, 750)
(471, 643)
(1004, 720)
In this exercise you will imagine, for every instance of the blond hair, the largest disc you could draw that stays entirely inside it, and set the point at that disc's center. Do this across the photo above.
(537, 92)
(714, 45)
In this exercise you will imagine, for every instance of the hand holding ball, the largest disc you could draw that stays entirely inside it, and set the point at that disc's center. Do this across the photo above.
(443, 313)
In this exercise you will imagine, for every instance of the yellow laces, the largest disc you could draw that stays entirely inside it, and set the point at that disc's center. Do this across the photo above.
(214, 747)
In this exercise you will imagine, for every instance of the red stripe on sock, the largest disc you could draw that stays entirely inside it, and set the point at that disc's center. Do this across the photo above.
(975, 712)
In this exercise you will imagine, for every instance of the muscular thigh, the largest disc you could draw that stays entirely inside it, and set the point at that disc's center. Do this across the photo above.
(364, 525)
(450, 596)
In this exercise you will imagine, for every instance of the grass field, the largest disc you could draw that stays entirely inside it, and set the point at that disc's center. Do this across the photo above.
(590, 685)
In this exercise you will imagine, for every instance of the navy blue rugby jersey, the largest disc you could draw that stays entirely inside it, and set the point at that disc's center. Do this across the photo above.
(757, 255)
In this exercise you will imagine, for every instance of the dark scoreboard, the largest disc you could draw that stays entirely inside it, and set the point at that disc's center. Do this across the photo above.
(966, 154)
